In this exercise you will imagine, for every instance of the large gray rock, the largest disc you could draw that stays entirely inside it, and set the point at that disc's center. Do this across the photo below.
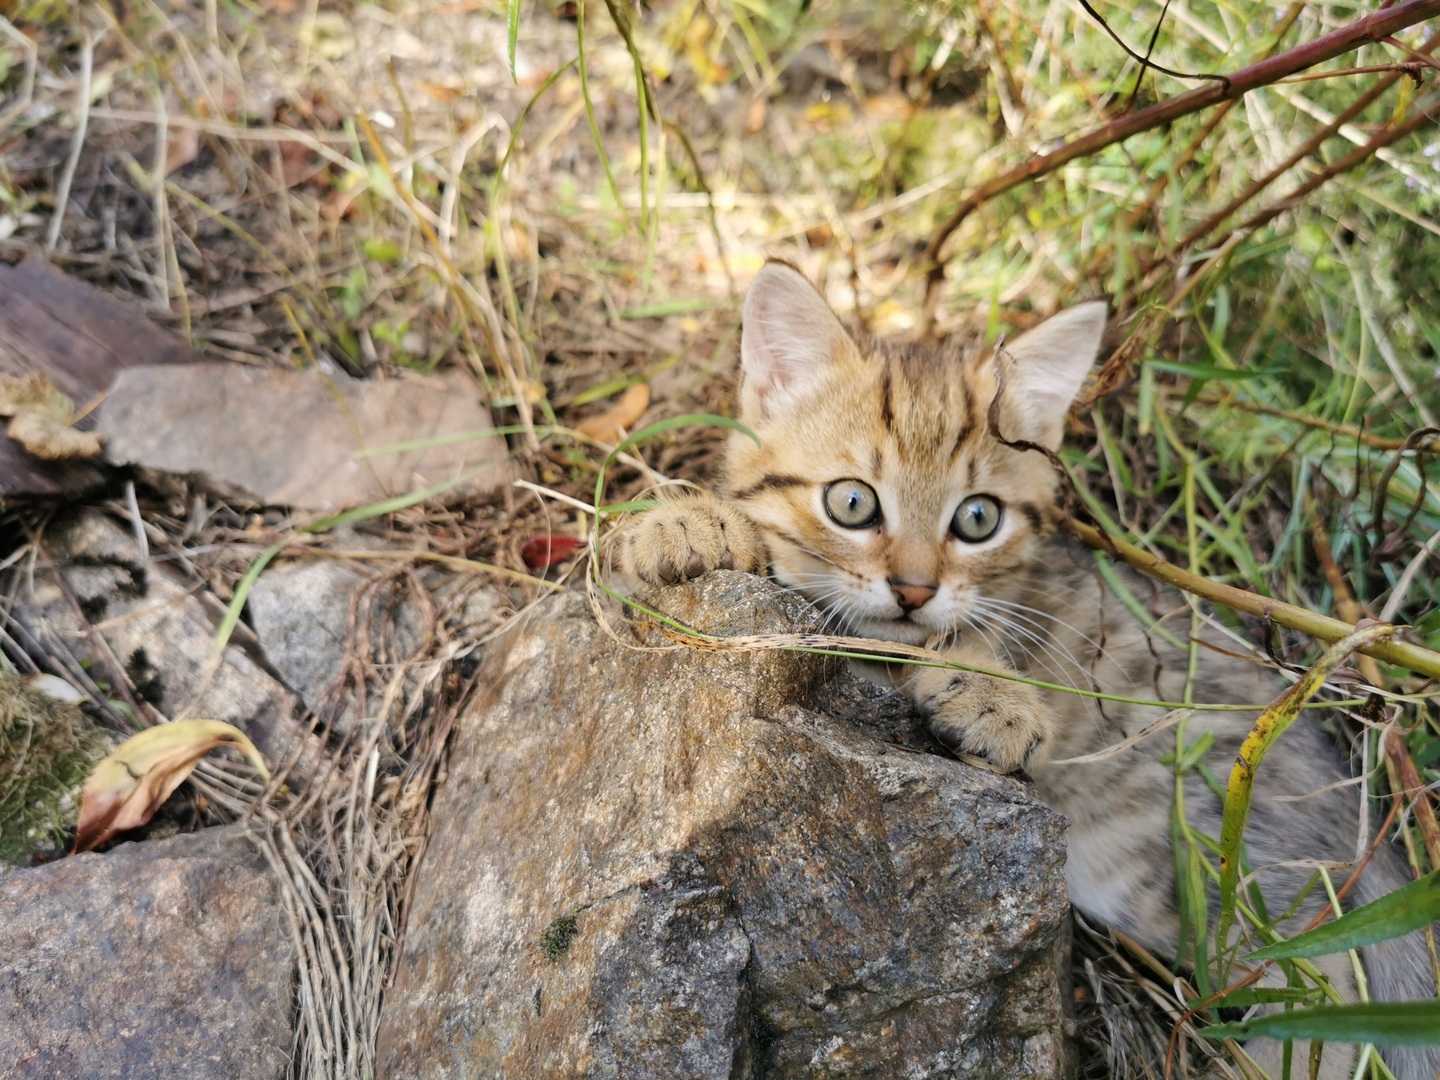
(164, 959)
(669, 864)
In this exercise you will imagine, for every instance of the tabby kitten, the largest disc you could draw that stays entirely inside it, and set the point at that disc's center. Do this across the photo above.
(880, 492)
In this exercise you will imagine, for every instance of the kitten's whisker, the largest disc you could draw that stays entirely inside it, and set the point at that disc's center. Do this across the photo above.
(1051, 616)
(1057, 653)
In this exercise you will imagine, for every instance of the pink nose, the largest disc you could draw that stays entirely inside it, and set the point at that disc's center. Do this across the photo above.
(909, 596)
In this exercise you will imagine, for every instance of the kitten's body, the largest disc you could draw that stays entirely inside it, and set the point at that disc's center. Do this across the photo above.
(911, 426)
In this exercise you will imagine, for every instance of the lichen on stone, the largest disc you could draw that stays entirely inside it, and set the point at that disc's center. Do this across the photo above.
(556, 937)
(47, 749)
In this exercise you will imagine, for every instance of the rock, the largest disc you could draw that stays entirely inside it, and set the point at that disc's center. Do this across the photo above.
(286, 438)
(156, 628)
(168, 958)
(301, 615)
(301, 612)
(669, 863)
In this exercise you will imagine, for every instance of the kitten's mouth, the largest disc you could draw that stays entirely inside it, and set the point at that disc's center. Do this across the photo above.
(903, 629)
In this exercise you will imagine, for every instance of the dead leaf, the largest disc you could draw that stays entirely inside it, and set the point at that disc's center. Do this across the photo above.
(40, 419)
(609, 427)
(124, 790)
(298, 163)
(542, 551)
(444, 92)
(33, 391)
(181, 148)
(49, 440)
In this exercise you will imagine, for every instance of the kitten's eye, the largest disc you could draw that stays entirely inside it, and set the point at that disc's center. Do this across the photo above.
(976, 519)
(852, 503)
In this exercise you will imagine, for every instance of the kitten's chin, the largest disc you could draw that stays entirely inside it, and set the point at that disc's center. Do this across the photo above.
(901, 630)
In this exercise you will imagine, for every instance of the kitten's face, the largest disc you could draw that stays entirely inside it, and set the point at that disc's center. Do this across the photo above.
(880, 492)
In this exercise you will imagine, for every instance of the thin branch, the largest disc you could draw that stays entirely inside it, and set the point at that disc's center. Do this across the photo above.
(1145, 61)
(1303, 151)
(1419, 660)
(1373, 28)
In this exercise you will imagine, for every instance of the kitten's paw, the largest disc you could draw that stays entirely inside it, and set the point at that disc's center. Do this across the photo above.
(687, 537)
(1002, 721)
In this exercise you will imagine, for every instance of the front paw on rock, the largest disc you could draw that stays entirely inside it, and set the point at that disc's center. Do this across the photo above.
(684, 539)
(1001, 721)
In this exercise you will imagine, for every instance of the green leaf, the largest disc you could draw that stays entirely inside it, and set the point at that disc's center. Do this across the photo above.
(1412, 907)
(634, 506)
(512, 20)
(666, 307)
(1206, 371)
(1397, 1023)
(380, 250)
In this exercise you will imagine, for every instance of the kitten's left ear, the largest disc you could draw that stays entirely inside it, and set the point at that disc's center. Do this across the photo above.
(1047, 367)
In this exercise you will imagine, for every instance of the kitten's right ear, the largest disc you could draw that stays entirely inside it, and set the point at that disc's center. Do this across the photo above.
(789, 342)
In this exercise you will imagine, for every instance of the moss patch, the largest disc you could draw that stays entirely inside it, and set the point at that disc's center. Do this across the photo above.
(47, 749)
(557, 937)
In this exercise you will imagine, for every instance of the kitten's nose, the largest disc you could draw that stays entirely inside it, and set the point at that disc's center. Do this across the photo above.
(910, 596)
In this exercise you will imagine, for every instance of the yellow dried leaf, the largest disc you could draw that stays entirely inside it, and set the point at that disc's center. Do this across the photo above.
(124, 790)
(40, 419)
(610, 426)
(50, 440)
(34, 391)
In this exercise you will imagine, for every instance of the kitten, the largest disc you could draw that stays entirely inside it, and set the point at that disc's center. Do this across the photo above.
(881, 494)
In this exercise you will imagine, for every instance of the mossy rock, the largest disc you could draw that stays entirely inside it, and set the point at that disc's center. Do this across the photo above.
(47, 749)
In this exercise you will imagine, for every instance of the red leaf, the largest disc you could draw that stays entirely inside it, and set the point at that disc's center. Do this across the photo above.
(542, 551)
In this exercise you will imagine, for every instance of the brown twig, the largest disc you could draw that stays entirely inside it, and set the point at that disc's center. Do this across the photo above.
(1307, 148)
(1412, 785)
(1349, 431)
(1345, 605)
(1373, 28)
(1423, 114)
(1322, 627)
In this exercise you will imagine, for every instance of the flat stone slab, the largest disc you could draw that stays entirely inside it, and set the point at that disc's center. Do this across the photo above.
(170, 958)
(287, 438)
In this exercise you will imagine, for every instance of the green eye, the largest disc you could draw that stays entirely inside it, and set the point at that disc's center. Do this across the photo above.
(976, 519)
(852, 503)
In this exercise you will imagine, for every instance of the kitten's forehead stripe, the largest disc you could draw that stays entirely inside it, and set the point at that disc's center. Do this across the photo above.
(772, 482)
(887, 409)
(1033, 515)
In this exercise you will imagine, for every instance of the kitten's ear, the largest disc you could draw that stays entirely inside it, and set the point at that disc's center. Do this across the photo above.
(1047, 367)
(789, 341)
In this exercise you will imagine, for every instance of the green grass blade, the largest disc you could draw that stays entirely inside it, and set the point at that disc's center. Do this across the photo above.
(1397, 1023)
(667, 307)
(1410, 908)
(234, 608)
(512, 19)
(590, 107)
(1206, 372)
